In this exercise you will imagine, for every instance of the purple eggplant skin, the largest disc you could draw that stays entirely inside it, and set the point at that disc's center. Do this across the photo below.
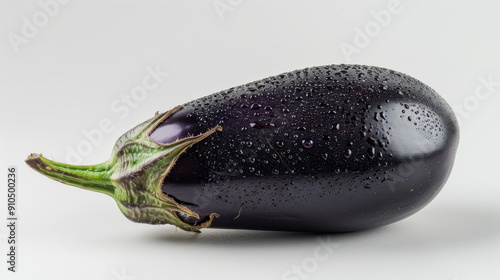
(330, 149)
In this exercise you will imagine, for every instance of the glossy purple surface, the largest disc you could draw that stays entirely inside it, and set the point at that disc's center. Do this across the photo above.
(334, 148)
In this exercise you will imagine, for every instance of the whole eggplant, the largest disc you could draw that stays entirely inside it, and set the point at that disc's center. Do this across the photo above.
(331, 148)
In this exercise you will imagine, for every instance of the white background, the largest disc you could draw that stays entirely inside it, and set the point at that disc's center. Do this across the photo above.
(67, 75)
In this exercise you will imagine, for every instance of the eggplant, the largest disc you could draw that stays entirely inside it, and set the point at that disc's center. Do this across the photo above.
(329, 149)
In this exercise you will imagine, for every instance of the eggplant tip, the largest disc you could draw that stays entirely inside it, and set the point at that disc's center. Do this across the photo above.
(34, 161)
(33, 156)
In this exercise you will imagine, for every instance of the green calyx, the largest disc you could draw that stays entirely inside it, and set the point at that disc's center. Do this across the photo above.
(133, 175)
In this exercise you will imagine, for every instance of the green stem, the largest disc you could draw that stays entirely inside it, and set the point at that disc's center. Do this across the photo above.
(93, 177)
